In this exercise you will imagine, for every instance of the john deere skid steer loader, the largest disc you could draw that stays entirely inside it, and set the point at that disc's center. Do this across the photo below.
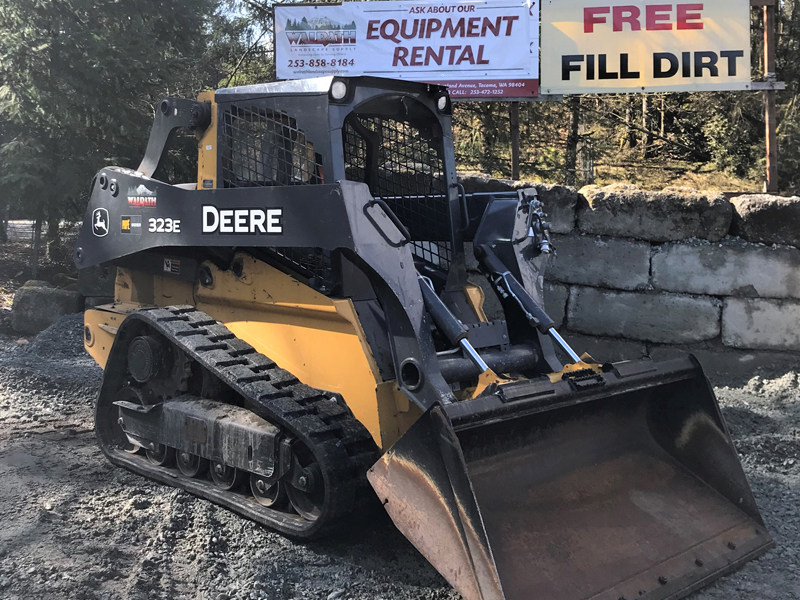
(298, 325)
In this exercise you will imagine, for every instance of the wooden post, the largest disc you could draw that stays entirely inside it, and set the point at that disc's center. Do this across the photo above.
(514, 125)
(770, 107)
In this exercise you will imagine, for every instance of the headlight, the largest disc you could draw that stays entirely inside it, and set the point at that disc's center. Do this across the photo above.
(338, 90)
(441, 103)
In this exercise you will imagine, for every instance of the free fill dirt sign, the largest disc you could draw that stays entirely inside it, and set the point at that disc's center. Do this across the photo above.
(596, 46)
(478, 48)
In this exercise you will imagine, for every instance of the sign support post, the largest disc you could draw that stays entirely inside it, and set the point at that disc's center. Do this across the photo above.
(770, 104)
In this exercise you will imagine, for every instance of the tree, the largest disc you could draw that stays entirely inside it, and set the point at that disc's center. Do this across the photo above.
(79, 82)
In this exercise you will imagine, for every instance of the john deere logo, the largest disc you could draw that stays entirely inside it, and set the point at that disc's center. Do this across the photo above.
(100, 222)
(321, 31)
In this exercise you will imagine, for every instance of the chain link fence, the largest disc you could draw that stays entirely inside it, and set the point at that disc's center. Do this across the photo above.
(20, 248)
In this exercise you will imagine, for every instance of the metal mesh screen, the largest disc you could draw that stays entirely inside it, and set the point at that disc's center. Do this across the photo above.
(405, 168)
(265, 148)
(262, 147)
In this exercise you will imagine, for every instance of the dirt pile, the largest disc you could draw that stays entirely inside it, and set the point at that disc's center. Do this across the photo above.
(63, 339)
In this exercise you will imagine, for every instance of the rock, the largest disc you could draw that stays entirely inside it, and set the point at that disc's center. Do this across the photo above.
(624, 210)
(601, 262)
(761, 324)
(767, 219)
(35, 308)
(34, 283)
(660, 318)
(728, 270)
(62, 280)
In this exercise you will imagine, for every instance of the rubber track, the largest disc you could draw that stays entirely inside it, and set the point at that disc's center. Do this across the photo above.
(340, 443)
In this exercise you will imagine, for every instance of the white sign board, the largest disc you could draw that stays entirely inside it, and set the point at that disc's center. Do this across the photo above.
(479, 48)
(592, 46)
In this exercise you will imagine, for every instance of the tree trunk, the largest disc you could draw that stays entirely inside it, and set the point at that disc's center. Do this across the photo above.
(571, 154)
(513, 115)
(647, 135)
(4, 223)
(53, 225)
(37, 240)
(630, 133)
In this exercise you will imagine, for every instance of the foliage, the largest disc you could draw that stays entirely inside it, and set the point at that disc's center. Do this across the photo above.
(79, 80)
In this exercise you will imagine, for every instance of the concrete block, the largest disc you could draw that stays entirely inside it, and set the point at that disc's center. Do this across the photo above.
(560, 202)
(605, 349)
(602, 262)
(761, 324)
(729, 269)
(730, 367)
(660, 318)
(480, 184)
(555, 302)
(767, 219)
(624, 210)
(35, 308)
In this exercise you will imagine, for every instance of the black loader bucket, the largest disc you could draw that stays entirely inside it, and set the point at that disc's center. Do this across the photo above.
(621, 485)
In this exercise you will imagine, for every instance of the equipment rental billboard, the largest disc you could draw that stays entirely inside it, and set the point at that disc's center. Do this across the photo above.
(596, 46)
(480, 49)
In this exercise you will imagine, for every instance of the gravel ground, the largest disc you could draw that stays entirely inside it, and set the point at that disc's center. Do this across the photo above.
(73, 526)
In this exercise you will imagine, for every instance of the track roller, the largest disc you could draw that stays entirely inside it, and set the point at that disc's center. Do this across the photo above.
(191, 465)
(161, 455)
(226, 477)
(267, 493)
(305, 489)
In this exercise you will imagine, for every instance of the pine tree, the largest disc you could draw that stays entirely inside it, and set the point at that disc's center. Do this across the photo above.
(78, 82)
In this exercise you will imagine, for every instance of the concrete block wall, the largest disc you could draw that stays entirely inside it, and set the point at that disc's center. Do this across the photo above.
(660, 273)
